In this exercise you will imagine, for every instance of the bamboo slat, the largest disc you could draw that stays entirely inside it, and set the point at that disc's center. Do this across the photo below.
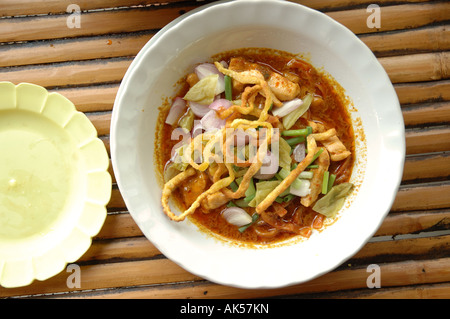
(326, 5)
(422, 196)
(134, 248)
(37, 7)
(76, 49)
(395, 17)
(64, 74)
(131, 20)
(414, 222)
(148, 272)
(116, 202)
(144, 272)
(410, 68)
(120, 249)
(119, 225)
(421, 140)
(393, 274)
(432, 291)
(87, 64)
(426, 166)
(434, 91)
(92, 98)
(123, 226)
(105, 140)
(92, 23)
(101, 97)
(404, 249)
(434, 38)
(101, 122)
(435, 291)
(417, 67)
(426, 113)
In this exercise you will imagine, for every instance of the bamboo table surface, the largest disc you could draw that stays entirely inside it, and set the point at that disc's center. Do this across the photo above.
(86, 65)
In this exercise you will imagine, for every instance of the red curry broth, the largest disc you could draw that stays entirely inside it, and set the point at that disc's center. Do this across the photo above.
(329, 111)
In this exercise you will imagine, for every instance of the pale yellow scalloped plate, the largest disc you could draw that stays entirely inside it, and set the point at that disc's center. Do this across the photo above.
(54, 183)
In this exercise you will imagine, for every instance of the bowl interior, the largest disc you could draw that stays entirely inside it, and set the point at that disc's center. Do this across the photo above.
(328, 46)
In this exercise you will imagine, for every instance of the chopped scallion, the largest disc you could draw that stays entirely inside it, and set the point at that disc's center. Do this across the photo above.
(299, 132)
(234, 187)
(286, 192)
(317, 155)
(306, 175)
(283, 173)
(228, 88)
(231, 204)
(255, 217)
(326, 176)
(295, 140)
(331, 181)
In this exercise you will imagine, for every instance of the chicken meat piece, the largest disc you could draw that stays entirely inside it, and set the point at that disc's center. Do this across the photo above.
(283, 89)
(214, 201)
(194, 187)
(333, 144)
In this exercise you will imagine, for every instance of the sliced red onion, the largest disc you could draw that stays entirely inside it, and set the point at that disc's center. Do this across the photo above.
(212, 121)
(170, 172)
(205, 69)
(299, 152)
(269, 167)
(220, 104)
(175, 136)
(236, 216)
(176, 110)
(242, 138)
(199, 110)
(197, 129)
(287, 107)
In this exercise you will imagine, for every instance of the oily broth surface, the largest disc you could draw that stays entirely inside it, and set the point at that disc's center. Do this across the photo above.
(333, 113)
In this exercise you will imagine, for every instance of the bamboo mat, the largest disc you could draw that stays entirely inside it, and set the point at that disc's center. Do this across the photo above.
(86, 65)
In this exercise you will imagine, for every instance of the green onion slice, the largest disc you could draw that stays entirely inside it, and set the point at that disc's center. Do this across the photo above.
(326, 176)
(255, 217)
(228, 88)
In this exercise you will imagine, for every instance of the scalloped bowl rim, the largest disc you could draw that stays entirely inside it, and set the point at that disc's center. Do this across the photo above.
(46, 249)
(377, 106)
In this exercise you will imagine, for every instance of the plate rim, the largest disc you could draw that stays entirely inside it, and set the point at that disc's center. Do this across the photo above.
(374, 62)
(53, 258)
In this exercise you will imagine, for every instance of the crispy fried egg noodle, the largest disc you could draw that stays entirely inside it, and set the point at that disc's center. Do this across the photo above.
(224, 139)
(260, 86)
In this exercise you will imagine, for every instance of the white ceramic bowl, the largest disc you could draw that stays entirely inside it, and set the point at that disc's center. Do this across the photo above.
(212, 29)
